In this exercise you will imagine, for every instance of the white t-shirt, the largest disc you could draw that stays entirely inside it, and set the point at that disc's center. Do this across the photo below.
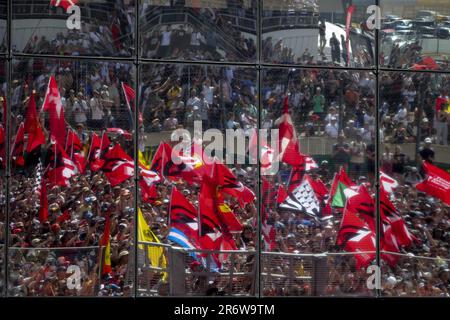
(208, 93)
(401, 115)
(331, 130)
(195, 38)
(165, 41)
(96, 109)
(79, 108)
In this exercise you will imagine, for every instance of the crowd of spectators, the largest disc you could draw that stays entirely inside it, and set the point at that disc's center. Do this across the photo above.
(339, 106)
(209, 35)
(107, 34)
(335, 107)
(414, 106)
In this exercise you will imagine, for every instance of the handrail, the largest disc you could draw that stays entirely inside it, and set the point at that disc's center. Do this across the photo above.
(53, 248)
(165, 245)
(290, 254)
(158, 11)
(226, 39)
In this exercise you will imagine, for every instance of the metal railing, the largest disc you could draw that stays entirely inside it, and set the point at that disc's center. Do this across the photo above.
(37, 271)
(303, 274)
(177, 272)
(158, 15)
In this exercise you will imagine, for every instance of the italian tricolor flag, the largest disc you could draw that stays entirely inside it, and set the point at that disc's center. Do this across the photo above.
(339, 188)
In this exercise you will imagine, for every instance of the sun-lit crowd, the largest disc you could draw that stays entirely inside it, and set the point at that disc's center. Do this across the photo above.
(334, 113)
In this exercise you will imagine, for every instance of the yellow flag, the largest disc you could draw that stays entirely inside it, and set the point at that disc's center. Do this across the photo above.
(155, 254)
(142, 160)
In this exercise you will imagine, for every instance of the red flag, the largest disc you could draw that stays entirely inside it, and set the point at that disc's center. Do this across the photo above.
(160, 159)
(127, 135)
(427, 63)
(210, 222)
(387, 182)
(36, 136)
(163, 164)
(73, 143)
(147, 185)
(130, 96)
(18, 146)
(389, 244)
(436, 183)
(333, 188)
(97, 150)
(53, 105)
(356, 236)
(289, 148)
(118, 166)
(363, 204)
(296, 178)
(291, 154)
(227, 216)
(309, 163)
(266, 153)
(344, 178)
(184, 216)
(268, 230)
(319, 188)
(213, 233)
(390, 216)
(105, 243)
(75, 150)
(116, 35)
(281, 194)
(62, 167)
(64, 217)
(223, 177)
(348, 20)
(43, 204)
(269, 236)
(65, 4)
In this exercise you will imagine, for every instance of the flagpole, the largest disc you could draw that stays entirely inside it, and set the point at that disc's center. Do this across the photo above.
(67, 139)
(90, 147)
(11, 151)
(101, 141)
(128, 103)
(162, 163)
(290, 178)
(199, 218)
(71, 151)
(170, 206)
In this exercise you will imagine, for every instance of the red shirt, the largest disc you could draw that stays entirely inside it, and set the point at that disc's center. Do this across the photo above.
(440, 101)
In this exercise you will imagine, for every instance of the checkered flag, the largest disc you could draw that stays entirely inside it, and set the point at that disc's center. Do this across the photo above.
(38, 174)
(302, 199)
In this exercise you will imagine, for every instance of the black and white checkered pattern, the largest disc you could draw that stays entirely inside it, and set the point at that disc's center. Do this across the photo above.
(302, 199)
(38, 173)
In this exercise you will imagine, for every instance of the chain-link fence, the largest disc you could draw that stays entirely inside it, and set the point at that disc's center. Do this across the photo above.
(53, 271)
(415, 276)
(166, 270)
(324, 274)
